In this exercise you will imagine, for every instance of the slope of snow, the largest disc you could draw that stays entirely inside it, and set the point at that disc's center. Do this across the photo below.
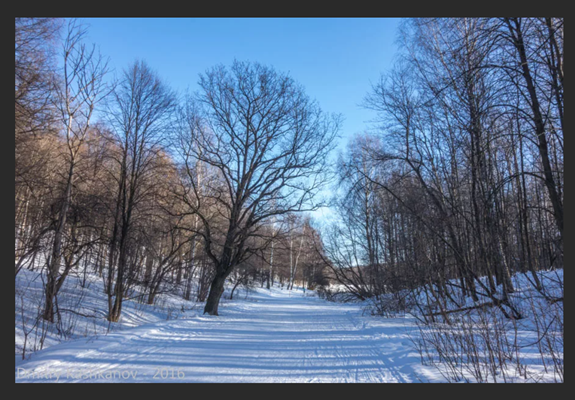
(84, 306)
(273, 336)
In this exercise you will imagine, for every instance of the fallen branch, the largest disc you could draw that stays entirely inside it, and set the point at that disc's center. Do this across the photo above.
(478, 306)
(494, 303)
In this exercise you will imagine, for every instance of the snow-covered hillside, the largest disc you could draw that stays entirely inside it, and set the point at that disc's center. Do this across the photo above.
(83, 309)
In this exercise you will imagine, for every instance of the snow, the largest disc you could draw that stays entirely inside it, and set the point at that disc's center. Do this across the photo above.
(273, 336)
(261, 336)
(89, 309)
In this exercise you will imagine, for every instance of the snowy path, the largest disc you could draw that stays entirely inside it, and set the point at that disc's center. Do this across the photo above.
(271, 337)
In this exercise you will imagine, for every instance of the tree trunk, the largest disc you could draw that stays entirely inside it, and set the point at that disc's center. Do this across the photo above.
(56, 257)
(48, 314)
(234, 288)
(271, 276)
(539, 123)
(216, 291)
(118, 292)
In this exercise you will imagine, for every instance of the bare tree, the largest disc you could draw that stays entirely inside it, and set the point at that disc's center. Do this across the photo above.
(140, 112)
(518, 29)
(35, 130)
(267, 144)
(81, 88)
(34, 57)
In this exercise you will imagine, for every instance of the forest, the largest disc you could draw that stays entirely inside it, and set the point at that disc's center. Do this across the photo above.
(449, 208)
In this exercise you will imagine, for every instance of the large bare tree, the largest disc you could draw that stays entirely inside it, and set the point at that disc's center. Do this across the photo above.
(266, 145)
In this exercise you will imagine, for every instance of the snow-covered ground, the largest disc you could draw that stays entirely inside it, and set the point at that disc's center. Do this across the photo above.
(260, 336)
(83, 309)
(273, 336)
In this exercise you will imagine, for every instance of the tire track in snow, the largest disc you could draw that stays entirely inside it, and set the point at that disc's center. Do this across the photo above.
(271, 338)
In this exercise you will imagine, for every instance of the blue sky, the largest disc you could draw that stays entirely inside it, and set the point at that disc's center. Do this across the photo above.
(334, 58)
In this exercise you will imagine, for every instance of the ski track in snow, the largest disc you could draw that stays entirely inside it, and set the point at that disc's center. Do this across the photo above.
(272, 337)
